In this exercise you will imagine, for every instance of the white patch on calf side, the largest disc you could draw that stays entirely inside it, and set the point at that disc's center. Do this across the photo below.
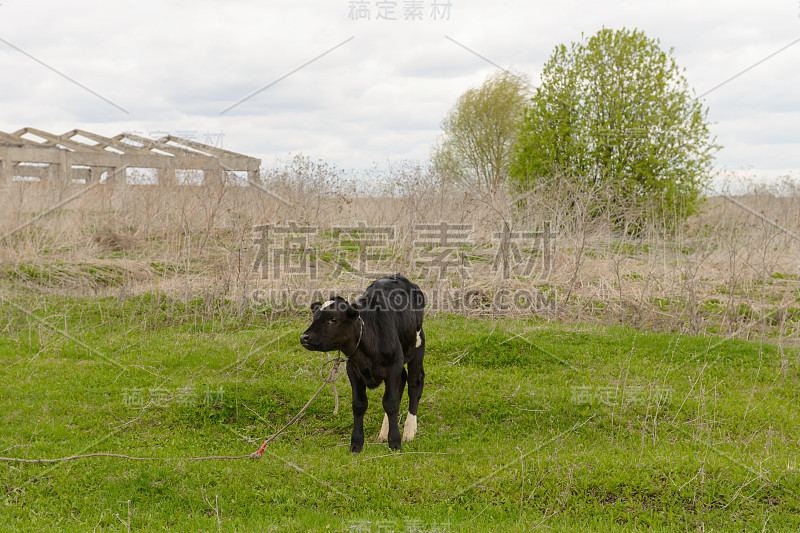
(410, 428)
(384, 434)
(327, 303)
(419, 340)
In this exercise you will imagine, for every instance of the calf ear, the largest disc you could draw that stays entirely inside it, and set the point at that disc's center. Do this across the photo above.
(352, 311)
(315, 306)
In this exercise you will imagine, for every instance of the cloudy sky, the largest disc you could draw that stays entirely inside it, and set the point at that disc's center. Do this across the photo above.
(276, 78)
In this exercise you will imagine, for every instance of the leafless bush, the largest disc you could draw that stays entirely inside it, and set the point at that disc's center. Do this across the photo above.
(732, 268)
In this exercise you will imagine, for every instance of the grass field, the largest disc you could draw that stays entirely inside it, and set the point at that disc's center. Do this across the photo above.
(524, 425)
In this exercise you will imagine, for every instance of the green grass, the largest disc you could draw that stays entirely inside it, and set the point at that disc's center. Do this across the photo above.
(522, 424)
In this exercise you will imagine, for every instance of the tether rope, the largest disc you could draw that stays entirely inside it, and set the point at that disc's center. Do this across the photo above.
(332, 375)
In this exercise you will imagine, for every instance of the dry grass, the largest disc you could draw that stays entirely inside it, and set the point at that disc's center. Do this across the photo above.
(732, 269)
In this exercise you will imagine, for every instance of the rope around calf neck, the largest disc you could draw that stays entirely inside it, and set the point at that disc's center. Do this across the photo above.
(335, 369)
(332, 375)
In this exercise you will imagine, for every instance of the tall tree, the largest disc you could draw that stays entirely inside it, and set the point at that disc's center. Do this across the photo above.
(480, 130)
(616, 112)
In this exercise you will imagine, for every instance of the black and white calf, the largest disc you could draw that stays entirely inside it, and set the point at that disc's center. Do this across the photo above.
(380, 333)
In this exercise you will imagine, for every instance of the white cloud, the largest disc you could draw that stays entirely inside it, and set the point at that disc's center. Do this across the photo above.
(174, 66)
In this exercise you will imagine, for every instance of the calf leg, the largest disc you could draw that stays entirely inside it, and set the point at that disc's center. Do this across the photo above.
(384, 434)
(360, 402)
(391, 406)
(416, 382)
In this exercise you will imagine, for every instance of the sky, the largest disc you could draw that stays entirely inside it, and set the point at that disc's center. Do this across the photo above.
(364, 84)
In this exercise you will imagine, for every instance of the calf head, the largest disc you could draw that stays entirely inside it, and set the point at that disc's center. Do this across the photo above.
(334, 326)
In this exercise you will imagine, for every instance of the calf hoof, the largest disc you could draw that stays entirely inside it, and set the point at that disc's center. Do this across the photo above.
(395, 445)
(355, 447)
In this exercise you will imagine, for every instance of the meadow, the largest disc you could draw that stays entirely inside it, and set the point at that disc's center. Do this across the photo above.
(579, 377)
(524, 425)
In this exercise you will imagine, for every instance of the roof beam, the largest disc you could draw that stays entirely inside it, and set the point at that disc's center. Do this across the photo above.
(53, 140)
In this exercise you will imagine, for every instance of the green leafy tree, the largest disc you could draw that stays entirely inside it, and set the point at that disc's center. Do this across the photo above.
(480, 131)
(615, 113)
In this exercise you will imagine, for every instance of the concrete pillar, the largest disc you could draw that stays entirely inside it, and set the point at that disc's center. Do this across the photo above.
(212, 176)
(6, 167)
(117, 176)
(64, 169)
(94, 174)
(253, 177)
(166, 176)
